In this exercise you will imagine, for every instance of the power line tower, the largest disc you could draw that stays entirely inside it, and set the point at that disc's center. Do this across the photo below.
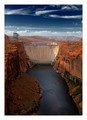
(15, 36)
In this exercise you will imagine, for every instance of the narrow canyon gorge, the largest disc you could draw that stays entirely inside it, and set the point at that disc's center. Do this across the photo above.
(43, 79)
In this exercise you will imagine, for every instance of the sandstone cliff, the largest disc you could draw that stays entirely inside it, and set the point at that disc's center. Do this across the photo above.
(16, 62)
(69, 65)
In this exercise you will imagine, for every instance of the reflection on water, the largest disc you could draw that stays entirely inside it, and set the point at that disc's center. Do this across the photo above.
(55, 98)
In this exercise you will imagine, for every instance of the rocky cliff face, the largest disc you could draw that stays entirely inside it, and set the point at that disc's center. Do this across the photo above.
(16, 62)
(15, 59)
(69, 65)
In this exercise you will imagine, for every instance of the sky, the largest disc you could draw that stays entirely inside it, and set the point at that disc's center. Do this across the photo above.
(43, 20)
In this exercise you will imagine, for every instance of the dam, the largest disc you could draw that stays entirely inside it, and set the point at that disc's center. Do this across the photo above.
(42, 53)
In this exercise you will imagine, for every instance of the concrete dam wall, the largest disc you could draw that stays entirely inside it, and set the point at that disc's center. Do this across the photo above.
(43, 54)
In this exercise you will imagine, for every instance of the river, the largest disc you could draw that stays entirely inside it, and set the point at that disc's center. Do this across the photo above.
(55, 98)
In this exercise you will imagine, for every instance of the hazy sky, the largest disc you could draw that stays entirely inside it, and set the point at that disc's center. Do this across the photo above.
(43, 20)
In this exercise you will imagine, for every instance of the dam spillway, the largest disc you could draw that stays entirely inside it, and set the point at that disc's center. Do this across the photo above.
(42, 54)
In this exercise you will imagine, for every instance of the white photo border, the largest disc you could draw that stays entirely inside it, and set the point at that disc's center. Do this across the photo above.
(2, 24)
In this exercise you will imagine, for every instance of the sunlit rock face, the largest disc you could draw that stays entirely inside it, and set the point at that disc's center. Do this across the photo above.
(69, 65)
(70, 58)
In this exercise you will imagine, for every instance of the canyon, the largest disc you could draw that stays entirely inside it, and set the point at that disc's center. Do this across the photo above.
(23, 91)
